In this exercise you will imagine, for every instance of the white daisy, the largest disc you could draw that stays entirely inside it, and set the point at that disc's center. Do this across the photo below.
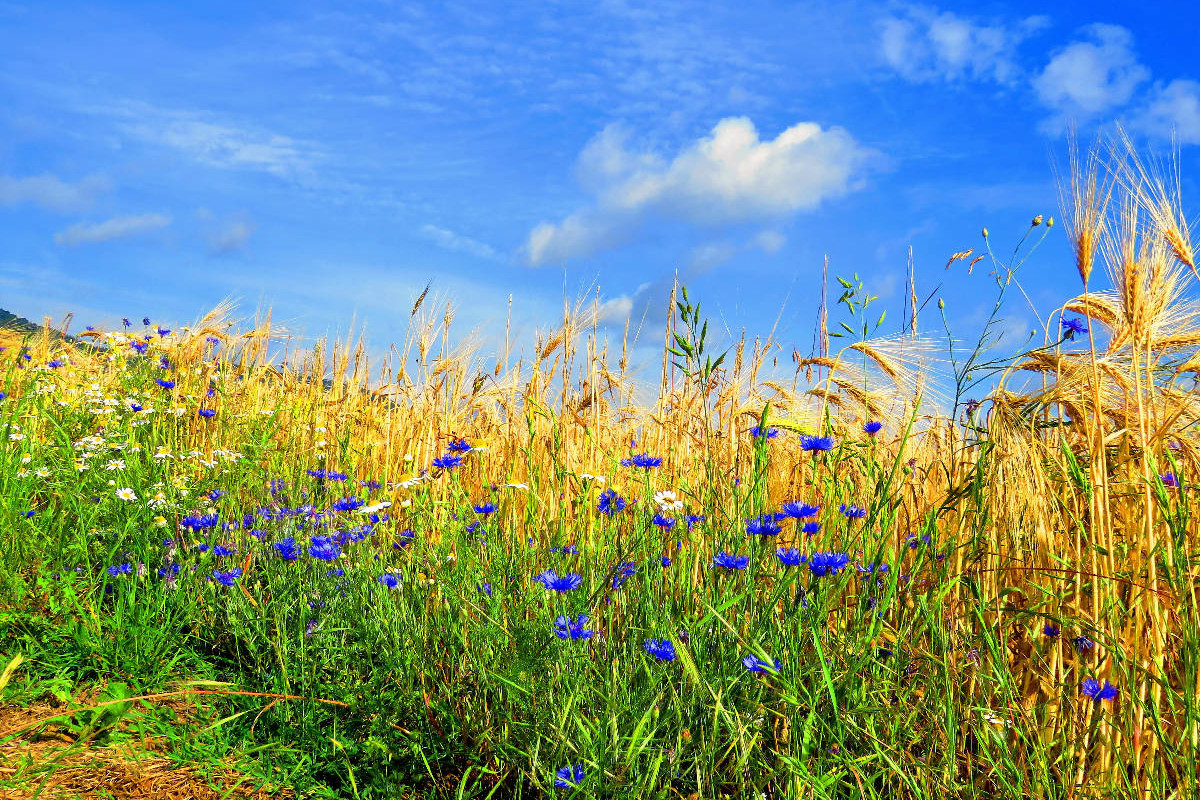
(126, 494)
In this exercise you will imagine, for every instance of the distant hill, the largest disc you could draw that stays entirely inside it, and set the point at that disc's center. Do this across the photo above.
(14, 329)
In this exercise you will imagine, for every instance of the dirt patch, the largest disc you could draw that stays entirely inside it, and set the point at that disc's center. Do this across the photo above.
(53, 766)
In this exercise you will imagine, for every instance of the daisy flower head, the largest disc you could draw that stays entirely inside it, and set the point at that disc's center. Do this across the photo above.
(126, 494)
(667, 500)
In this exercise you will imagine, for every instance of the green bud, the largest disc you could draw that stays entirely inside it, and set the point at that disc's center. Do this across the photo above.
(941, 304)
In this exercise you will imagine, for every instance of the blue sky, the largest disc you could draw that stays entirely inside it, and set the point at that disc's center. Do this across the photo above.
(330, 159)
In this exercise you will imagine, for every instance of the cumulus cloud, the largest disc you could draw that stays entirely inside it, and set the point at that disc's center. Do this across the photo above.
(1173, 110)
(116, 228)
(730, 176)
(925, 45)
(1090, 76)
(616, 310)
(233, 236)
(51, 192)
(457, 242)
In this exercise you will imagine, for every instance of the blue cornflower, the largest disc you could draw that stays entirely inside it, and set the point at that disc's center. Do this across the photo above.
(459, 446)
(145, 320)
(1082, 644)
(643, 460)
(852, 511)
(873, 428)
(207, 412)
(822, 564)
(224, 550)
(1051, 630)
(564, 628)
(166, 384)
(125, 321)
(566, 550)
(448, 461)
(227, 578)
(1073, 327)
(405, 537)
(610, 502)
(811, 528)
(1169, 480)
(663, 650)
(559, 583)
(692, 519)
(798, 510)
(163, 331)
(914, 541)
(347, 504)
(485, 588)
(624, 572)
(757, 433)
(140, 347)
(1093, 689)
(3, 395)
(287, 549)
(55, 364)
(666, 561)
(120, 569)
(756, 664)
(568, 777)
(215, 495)
(729, 561)
(485, 509)
(324, 549)
(389, 580)
(134, 407)
(199, 523)
(816, 443)
(790, 557)
(664, 522)
(764, 525)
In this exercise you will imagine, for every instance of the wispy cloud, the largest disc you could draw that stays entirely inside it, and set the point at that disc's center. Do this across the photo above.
(215, 142)
(231, 237)
(1090, 76)
(457, 242)
(116, 228)
(924, 45)
(52, 193)
(730, 176)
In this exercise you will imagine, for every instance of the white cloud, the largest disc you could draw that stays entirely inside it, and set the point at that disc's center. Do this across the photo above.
(708, 257)
(729, 176)
(457, 242)
(116, 228)
(52, 193)
(1091, 76)
(215, 143)
(232, 237)
(924, 45)
(1173, 110)
(616, 310)
(770, 242)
